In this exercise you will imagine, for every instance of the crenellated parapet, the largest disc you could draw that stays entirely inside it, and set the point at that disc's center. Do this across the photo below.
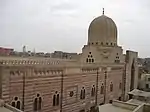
(87, 70)
(47, 72)
(36, 72)
(10, 61)
(28, 62)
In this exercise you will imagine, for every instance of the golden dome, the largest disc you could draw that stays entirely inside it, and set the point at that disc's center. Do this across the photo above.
(102, 31)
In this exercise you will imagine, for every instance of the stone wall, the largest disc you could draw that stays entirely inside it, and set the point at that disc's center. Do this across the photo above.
(131, 60)
(46, 81)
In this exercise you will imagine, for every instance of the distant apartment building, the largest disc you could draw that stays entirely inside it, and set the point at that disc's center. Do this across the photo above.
(5, 51)
(144, 82)
(139, 95)
(64, 55)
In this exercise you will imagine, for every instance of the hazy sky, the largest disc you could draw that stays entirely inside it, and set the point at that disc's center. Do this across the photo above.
(49, 25)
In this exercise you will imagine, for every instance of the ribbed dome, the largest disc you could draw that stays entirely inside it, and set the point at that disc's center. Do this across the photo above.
(102, 30)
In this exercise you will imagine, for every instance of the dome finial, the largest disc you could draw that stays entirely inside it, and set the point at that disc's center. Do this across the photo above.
(103, 11)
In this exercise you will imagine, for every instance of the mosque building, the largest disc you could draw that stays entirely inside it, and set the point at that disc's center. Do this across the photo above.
(100, 74)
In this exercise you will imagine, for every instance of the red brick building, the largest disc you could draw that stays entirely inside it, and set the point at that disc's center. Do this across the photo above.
(5, 51)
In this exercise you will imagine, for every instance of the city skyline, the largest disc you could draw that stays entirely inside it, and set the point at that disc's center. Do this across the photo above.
(36, 24)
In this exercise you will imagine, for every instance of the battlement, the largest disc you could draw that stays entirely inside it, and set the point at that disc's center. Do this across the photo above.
(32, 61)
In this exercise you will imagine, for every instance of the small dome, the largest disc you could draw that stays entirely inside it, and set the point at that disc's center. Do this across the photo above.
(102, 30)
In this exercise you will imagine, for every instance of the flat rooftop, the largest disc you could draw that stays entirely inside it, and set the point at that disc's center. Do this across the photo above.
(112, 108)
(134, 101)
(3, 109)
(137, 92)
(119, 106)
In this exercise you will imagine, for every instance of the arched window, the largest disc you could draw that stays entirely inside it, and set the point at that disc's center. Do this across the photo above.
(102, 89)
(82, 94)
(87, 60)
(13, 104)
(38, 103)
(16, 103)
(92, 60)
(111, 87)
(93, 91)
(120, 85)
(35, 104)
(56, 99)
(18, 106)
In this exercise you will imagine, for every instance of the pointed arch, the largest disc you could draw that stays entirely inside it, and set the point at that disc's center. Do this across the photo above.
(18, 105)
(16, 102)
(111, 87)
(81, 94)
(54, 100)
(13, 104)
(102, 89)
(93, 91)
(35, 104)
(84, 93)
(40, 103)
(87, 60)
(57, 100)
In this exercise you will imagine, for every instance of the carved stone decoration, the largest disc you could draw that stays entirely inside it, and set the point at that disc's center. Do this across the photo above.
(105, 53)
(71, 94)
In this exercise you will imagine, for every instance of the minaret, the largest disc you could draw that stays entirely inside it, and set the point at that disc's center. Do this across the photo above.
(103, 11)
(34, 50)
(24, 49)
